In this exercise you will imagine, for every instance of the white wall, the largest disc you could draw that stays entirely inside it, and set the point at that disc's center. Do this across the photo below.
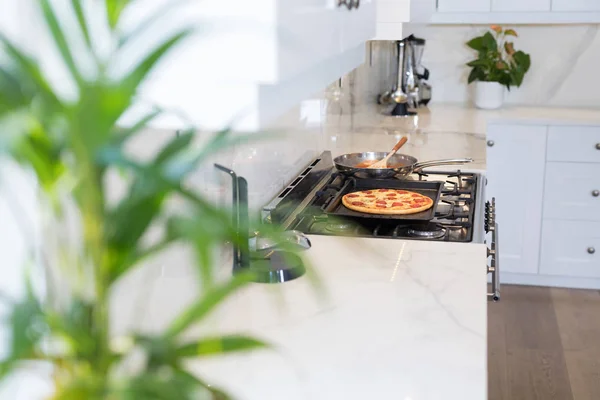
(565, 60)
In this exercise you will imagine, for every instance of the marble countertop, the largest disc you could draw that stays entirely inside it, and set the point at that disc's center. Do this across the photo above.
(397, 320)
(461, 118)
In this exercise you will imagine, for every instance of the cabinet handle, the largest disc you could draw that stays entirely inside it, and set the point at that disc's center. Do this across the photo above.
(597, 146)
(595, 193)
(591, 250)
(490, 143)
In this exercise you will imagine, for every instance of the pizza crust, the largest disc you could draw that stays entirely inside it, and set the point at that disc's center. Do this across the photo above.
(384, 211)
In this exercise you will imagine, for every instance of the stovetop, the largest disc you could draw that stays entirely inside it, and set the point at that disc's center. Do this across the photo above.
(454, 219)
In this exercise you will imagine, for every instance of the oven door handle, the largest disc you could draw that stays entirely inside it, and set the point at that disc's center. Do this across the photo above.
(494, 267)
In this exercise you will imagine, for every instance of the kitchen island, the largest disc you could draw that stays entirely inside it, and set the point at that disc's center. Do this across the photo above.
(396, 320)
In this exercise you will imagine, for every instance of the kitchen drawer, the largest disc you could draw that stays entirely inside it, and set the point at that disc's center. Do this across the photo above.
(574, 143)
(572, 191)
(571, 248)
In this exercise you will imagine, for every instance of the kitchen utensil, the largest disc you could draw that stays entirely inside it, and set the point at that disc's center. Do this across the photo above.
(420, 93)
(397, 96)
(383, 163)
(410, 89)
(399, 165)
(429, 189)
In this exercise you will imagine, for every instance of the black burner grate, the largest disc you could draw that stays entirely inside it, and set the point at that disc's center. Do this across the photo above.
(453, 220)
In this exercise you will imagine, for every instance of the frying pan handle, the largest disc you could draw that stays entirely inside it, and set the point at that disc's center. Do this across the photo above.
(451, 161)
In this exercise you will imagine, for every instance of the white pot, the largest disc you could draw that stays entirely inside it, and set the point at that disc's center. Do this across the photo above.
(489, 95)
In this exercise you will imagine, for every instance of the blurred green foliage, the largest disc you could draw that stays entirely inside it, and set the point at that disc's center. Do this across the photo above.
(71, 145)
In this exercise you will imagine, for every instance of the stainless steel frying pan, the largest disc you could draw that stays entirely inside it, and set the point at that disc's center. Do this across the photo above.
(400, 165)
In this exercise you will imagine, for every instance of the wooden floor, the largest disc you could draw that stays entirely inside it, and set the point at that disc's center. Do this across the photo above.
(544, 343)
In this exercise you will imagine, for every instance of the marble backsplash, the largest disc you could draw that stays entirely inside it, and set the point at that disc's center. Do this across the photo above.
(563, 71)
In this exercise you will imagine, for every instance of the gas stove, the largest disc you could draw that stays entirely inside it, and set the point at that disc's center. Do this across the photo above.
(462, 214)
(458, 216)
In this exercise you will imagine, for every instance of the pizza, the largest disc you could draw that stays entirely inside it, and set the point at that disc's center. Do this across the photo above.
(387, 201)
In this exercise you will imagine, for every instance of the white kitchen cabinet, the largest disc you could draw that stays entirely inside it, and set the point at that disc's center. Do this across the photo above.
(247, 63)
(264, 41)
(574, 143)
(393, 17)
(548, 238)
(512, 150)
(575, 5)
(258, 59)
(571, 249)
(572, 191)
(463, 6)
(520, 5)
(516, 12)
(357, 25)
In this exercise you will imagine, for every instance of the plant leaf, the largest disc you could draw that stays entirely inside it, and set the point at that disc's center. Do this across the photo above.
(219, 345)
(478, 63)
(208, 303)
(76, 4)
(29, 69)
(60, 41)
(15, 91)
(489, 42)
(28, 327)
(114, 8)
(121, 135)
(148, 23)
(523, 60)
(476, 75)
(217, 393)
(172, 148)
(37, 150)
(131, 82)
(476, 43)
(510, 32)
(166, 384)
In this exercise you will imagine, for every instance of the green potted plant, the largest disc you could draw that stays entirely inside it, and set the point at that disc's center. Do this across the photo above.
(497, 66)
(71, 146)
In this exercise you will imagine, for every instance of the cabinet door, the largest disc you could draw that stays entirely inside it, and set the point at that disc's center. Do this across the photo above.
(515, 169)
(358, 25)
(571, 248)
(582, 183)
(464, 6)
(309, 31)
(575, 5)
(520, 5)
